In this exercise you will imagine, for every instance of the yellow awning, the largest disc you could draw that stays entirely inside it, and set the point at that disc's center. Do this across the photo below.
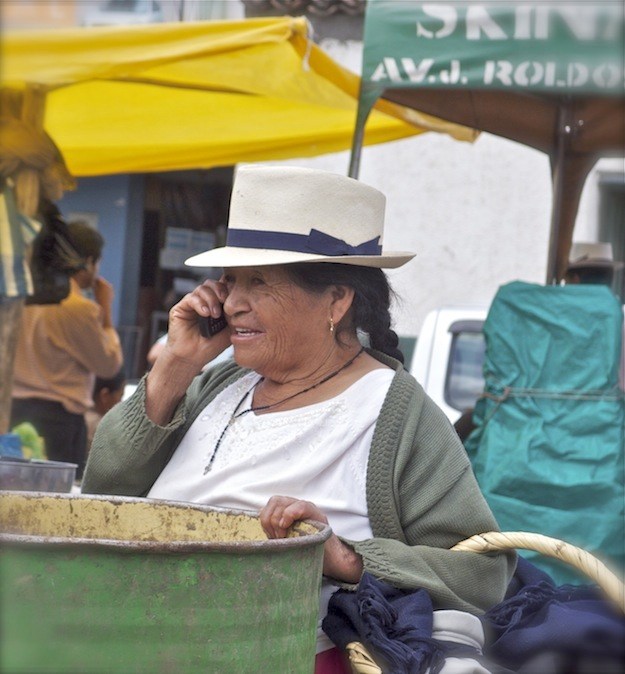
(195, 95)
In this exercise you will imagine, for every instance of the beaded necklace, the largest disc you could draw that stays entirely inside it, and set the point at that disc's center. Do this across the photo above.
(236, 414)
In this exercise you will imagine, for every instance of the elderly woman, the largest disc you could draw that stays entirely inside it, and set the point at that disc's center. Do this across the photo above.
(305, 422)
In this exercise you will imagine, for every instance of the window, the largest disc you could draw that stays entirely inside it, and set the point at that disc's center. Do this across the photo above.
(465, 377)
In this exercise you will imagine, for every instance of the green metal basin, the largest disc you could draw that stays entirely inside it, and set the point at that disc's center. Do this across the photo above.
(116, 585)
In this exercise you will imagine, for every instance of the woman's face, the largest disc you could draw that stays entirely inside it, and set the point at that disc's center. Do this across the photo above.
(277, 328)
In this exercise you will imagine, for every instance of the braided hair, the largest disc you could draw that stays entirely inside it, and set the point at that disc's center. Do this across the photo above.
(370, 310)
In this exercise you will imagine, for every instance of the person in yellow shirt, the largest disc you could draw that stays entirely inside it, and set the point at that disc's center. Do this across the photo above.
(61, 349)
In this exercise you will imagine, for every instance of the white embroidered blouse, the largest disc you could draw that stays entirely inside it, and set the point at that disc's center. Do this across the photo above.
(318, 453)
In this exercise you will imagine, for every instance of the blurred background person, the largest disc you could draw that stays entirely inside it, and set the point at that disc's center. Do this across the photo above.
(61, 348)
(106, 394)
(592, 263)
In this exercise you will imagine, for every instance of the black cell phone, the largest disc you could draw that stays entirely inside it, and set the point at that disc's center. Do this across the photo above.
(210, 326)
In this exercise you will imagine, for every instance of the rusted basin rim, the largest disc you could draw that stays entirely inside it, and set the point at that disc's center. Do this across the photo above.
(299, 539)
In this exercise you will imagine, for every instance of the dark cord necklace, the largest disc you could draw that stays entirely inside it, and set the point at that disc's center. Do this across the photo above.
(236, 414)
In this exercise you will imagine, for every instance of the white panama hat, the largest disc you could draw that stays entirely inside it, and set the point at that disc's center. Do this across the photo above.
(283, 215)
(592, 254)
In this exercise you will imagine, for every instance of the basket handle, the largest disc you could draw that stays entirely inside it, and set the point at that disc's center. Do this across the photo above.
(551, 547)
(361, 661)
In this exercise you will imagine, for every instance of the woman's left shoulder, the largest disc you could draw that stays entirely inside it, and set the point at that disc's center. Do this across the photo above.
(407, 397)
(377, 360)
(401, 376)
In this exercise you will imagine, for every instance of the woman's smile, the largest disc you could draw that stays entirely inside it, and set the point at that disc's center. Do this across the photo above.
(242, 335)
(275, 325)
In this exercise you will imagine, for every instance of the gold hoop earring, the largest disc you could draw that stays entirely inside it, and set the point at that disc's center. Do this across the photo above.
(331, 325)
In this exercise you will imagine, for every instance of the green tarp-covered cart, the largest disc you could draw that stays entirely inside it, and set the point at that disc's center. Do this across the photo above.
(547, 449)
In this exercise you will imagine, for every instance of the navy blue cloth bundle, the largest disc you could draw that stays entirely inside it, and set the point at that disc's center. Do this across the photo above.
(539, 628)
(537, 617)
(395, 626)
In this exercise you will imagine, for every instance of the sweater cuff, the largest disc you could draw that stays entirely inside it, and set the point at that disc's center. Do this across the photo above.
(374, 559)
(135, 415)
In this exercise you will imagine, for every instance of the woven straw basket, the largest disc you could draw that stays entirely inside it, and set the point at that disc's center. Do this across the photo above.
(361, 661)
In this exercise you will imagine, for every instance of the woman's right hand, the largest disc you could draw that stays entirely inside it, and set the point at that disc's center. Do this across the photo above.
(339, 560)
(185, 340)
(186, 352)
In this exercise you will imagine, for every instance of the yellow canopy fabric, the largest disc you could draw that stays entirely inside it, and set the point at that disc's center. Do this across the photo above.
(179, 96)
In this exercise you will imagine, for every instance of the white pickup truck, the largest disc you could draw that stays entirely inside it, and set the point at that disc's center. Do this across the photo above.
(448, 357)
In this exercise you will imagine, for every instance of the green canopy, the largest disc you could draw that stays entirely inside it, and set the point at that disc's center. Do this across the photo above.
(546, 74)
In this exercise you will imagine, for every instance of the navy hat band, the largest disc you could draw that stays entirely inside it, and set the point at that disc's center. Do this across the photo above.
(315, 242)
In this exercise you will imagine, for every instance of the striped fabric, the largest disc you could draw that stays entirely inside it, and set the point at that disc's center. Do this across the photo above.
(16, 232)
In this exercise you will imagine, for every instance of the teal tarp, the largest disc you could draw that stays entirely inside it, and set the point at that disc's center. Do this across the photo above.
(548, 445)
